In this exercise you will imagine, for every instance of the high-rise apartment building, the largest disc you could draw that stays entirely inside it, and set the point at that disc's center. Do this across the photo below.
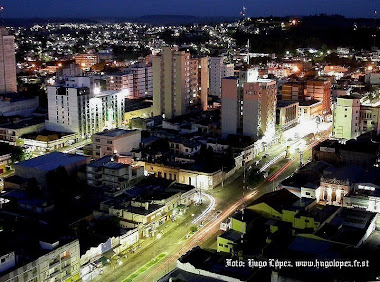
(218, 70)
(293, 91)
(171, 82)
(249, 105)
(259, 108)
(177, 82)
(8, 82)
(203, 81)
(77, 105)
(346, 118)
(120, 82)
(320, 90)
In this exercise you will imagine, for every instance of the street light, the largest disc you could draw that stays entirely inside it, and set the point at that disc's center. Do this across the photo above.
(158, 237)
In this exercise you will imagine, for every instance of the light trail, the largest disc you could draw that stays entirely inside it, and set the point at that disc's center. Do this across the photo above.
(210, 207)
(273, 161)
(213, 226)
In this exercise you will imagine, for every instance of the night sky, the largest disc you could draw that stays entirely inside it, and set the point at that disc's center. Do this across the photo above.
(130, 8)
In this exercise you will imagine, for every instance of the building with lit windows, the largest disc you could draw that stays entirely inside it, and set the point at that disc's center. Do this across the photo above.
(320, 90)
(52, 260)
(293, 91)
(346, 118)
(77, 105)
(8, 82)
(136, 81)
(249, 105)
(115, 141)
(178, 82)
(86, 61)
(353, 117)
(119, 82)
(218, 70)
(287, 114)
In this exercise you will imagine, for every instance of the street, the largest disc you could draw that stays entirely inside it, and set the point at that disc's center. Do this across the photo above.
(159, 258)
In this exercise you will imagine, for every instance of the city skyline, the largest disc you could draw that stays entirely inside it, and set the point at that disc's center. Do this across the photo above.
(212, 8)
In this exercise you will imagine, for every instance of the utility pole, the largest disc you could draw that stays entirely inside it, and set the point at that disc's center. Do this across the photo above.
(222, 177)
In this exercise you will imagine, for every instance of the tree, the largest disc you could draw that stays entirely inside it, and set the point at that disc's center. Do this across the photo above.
(18, 155)
(255, 176)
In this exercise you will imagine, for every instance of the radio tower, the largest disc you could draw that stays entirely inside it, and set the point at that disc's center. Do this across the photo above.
(243, 13)
(374, 28)
(2, 15)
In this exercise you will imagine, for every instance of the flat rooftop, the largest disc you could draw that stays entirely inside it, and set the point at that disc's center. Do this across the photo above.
(115, 132)
(282, 103)
(231, 235)
(22, 123)
(52, 161)
(309, 103)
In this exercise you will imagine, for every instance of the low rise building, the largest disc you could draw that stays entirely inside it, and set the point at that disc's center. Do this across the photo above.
(362, 152)
(53, 261)
(13, 104)
(115, 141)
(186, 147)
(190, 174)
(11, 132)
(47, 141)
(149, 204)
(111, 175)
(287, 114)
(39, 167)
(310, 109)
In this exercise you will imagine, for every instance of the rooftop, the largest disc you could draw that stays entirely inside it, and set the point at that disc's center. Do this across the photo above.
(347, 227)
(282, 103)
(278, 200)
(232, 235)
(52, 161)
(309, 103)
(117, 132)
(215, 263)
(22, 124)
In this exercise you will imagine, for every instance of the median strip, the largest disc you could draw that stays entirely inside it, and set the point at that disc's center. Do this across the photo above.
(144, 268)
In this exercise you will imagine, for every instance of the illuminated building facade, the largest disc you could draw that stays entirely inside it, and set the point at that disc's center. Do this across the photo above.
(218, 70)
(293, 91)
(320, 90)
(78, 106)
(8, 82)
(351, 118)
(115, 141)
(249, 105)
(179, 82)
(171, 82)
(86, 61)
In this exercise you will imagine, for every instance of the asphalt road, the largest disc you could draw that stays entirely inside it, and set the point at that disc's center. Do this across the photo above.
(175, 243)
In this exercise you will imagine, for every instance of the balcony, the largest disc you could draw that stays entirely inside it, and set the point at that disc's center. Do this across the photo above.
(66, 267)
(54, 264)
(55, 274)
(66, 276)
(64, 259)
